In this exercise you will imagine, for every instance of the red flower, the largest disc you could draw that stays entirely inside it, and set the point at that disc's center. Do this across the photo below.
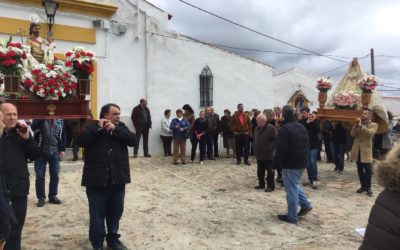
(28, 83)
(11, 54)
(36, 88)
(35, 72)
(68, 54)
(43, 76)
(73, 85)
(89, 54)
(68, 64)
(83, 53)
(77, 55)
(51, 91)
(50, 67)
(24, 56)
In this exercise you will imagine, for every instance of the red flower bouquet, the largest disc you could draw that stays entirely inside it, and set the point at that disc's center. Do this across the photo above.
(81, 61)
(11, 59)
(49, 81)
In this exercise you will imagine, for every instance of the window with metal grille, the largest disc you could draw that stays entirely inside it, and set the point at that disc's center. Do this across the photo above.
(206, 87)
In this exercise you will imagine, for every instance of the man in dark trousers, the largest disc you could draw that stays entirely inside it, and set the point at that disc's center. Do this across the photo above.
(212, 130)
(264, 140)
(5, 225)
(141, 120)
(363, 131)
(52, 142)
(218, 130)
(292, 154)
(105, 173)
(241, 126)
(18, 148)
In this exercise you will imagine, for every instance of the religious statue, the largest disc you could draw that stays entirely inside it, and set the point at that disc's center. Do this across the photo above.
(41, 50)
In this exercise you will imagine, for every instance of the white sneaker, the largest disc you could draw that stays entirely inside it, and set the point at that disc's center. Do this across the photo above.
(314, 185)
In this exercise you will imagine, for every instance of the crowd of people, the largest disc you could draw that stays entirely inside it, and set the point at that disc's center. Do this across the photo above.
(281, 141)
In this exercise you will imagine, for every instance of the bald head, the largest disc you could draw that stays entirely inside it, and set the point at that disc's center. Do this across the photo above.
(10, 114)
(261, 120)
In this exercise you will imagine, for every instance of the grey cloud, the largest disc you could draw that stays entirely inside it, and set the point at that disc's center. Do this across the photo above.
(329, 27)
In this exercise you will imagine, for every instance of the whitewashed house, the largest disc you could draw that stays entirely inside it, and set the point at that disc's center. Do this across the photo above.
(139, 56)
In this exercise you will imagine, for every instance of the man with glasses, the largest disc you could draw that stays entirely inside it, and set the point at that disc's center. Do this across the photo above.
(105, 173)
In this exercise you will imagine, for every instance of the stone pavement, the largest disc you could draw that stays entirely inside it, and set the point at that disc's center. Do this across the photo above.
(210, 206)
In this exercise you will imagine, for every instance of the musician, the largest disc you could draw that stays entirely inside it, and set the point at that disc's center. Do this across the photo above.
(363, 131)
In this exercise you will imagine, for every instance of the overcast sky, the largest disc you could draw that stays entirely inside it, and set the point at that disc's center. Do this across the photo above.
(346, 28)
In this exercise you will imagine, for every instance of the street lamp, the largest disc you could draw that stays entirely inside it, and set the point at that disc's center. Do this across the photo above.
(50, 7)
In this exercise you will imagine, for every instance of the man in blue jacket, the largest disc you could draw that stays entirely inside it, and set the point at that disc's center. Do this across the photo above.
(292, 154)
(52, 142)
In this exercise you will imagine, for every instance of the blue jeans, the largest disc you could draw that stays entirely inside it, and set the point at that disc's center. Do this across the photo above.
(40, 170)
(312, 170)
(339, 151)
(105, 204)
(294, 194)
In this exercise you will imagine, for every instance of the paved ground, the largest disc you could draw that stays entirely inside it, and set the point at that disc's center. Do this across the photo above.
(210, 206)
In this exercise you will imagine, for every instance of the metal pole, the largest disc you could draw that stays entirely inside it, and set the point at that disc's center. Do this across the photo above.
(372, 62)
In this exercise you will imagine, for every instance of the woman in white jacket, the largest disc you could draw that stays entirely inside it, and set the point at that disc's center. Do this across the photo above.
(166, 133)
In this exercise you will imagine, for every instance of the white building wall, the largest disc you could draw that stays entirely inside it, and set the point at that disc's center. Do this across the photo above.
(286, 84)
(166, 71)
(175, 67)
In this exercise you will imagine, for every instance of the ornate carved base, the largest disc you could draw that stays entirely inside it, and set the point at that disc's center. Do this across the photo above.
(51, 109)
(11, 84)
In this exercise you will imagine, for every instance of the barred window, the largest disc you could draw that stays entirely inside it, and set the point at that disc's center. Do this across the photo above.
(206, 87)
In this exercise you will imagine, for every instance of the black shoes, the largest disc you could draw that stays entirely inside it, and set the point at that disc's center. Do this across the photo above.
(75, 158)
(269, 189)
(40, 202)
(98, 248)
(259, 187)
(118, 245)
(285, 219)
(147, 155)
(304, 211)
(237, 162)
(369, 192)
(361, 190)
(134, 155)
(247, 163)
(54, 200)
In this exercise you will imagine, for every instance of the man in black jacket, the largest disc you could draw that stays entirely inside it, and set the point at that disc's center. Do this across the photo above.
(141, 119)
(4, 214)
(4, 218)
(292, 154)
(312, 126)
(105, 173)
(18, 147)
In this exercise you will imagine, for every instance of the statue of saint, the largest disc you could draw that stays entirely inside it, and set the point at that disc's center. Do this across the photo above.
(41, 50)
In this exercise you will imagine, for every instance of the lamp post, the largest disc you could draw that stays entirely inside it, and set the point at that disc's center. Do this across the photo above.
(50, 7)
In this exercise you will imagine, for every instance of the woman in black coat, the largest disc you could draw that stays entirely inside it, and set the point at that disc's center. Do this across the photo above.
(383, 230)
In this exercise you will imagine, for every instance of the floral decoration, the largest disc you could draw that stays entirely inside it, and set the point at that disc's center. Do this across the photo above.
(324, 84)
(346, 100)
(49, 81)
(369, 83)
(81, 61)
(12, 56)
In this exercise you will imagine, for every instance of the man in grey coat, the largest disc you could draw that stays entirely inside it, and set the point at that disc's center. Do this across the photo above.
(264, 148)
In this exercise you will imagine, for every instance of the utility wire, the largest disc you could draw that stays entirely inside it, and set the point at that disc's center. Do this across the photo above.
(342, 66)
(259, 33)
(246, 49)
